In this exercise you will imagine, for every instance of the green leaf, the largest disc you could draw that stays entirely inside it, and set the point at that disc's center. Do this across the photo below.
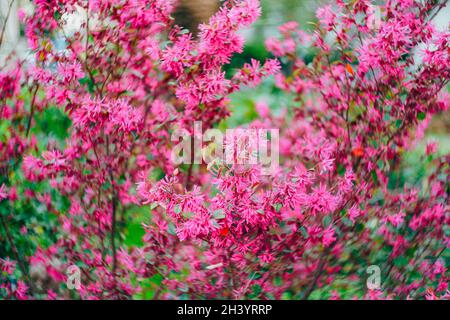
(374, 176)
(256, 289)
(171, 229)
(153, 206)
(401, 261)
(327, 220)
(133, 235)
(87, 80)
(340, 169)
(177, 209)
(304, 232)
(219, 214)
(421, 116)
(277, 207)
(57, 15)
(188, 214)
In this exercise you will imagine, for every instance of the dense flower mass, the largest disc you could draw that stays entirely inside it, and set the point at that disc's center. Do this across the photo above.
(335, 205)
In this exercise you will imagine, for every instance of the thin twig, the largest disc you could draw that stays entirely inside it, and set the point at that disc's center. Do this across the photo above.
(33, 100)
(317, 274)
(6, 21)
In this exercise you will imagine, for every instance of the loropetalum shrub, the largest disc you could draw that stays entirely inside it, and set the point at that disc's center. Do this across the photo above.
(311, 229)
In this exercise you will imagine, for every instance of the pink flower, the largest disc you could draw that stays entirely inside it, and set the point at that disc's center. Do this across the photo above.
(70, 71)
(271, 67)
(326, 16)
(288, 27)
(51, 295)
(328, 236)
(3, 192)
(439, 267)
(266, 258)
(348, 97)
(275, 46)
(431, 148)
(160, 110)
(8, 266)
(321, 200)
(353, 213)
(21, 290)
(396, 219)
